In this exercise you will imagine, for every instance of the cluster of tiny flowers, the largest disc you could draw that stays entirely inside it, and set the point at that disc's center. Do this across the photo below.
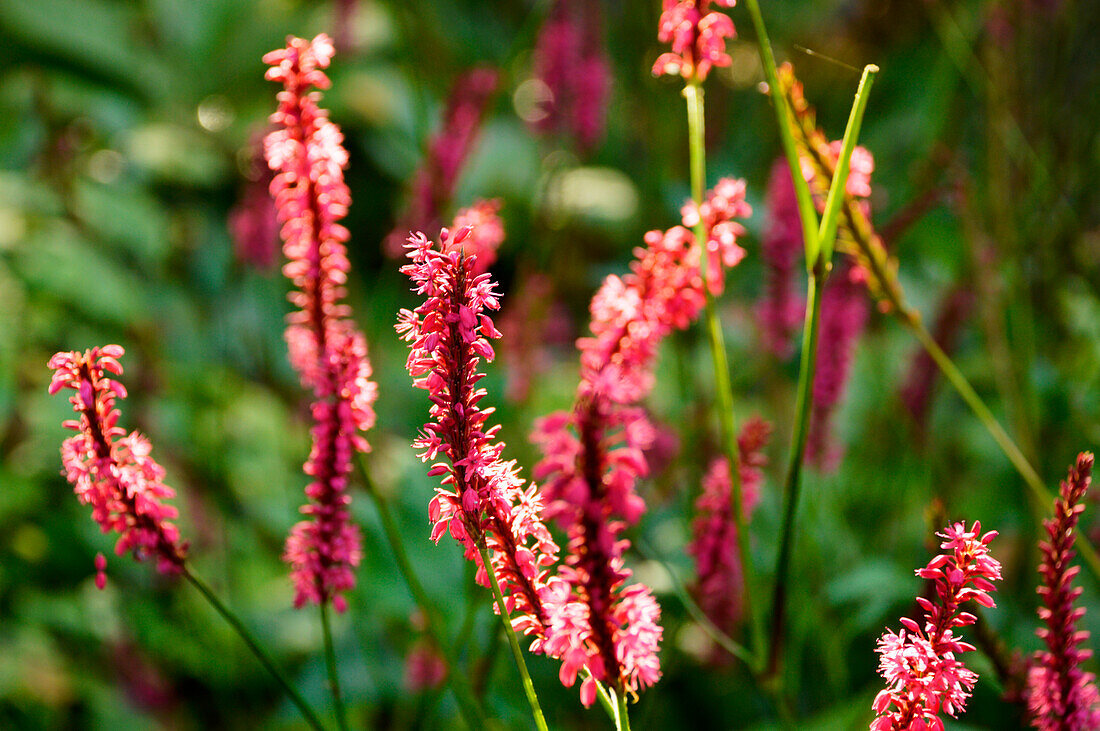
(326, 350)
(112, 470)
(486, 232)
(1061, 696)
(481, 497)
(780, 309)
(697, 35)
(919, 664)
(714, 532)
(594, 455)
(570, 61)
(434, 182)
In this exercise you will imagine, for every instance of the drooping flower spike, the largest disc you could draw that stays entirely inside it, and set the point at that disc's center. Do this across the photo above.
(112, 470)
(481, 498)
(1061, 696)
(593, 456)
(698, 37)
(923, 674)
(325, 348)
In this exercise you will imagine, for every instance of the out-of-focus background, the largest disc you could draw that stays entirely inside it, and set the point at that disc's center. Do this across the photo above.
(132, 211)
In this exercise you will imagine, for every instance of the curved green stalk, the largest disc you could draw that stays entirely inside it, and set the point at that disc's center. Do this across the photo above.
(1041, 497)
(693, 93)
(333, 673)
(517, 652)
(468, 705)
(227, 614)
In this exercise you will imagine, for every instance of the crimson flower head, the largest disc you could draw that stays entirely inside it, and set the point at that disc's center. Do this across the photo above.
(1061, 696)
(919, 663)
(481, 499)
(325, 348)
(698, 37)
(112, 470)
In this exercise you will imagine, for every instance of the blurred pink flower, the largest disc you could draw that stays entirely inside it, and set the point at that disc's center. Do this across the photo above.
(116, 476)
(923, 676)
(326, 350)
(1061, 695)
(781, 308)
(253, 220)
(533, 321)
(920, 379)
(698, 38)
(425, 667)
(714, 533)
(486, 232)
(433, 184)
(570, 60)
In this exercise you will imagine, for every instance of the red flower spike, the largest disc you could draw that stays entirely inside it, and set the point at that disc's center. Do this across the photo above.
(325, 348)
(697, 35)
(919, 663)
(1061, 696)
(112, 470)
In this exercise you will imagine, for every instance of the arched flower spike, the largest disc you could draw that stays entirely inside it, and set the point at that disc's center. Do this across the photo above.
(919, 663)
(112, 470)
(327, 351)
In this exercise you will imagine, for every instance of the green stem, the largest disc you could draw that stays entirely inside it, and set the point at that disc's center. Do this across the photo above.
(806, 210)
(1041, 497)
(831, 218)
(468, 705)
(513, 641)
(623, 715)
(693, 93)
(227, 614)
(792, 484)
(333, 674)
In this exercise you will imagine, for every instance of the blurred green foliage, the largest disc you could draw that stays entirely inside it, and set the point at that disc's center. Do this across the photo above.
(125, 138)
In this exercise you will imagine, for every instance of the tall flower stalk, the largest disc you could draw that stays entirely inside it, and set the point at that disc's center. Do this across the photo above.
(482, 501)
(325, 348)
(698, 39)
(1061, 696)
(125, 486)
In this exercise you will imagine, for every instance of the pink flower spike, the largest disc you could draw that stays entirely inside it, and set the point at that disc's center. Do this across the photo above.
(698, 38)
(1061, 695)
(112, 470)
(325, 348)
(919, 664)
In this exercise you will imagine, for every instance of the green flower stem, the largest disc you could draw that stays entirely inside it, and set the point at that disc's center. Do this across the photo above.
(806, 210)
(333, 673)
(831, 218)
(693, 93)
(623, 716)
(468, 705)
(793, 482)
(227, 614)
(1042, 499)
(521, 665)
(819, 273)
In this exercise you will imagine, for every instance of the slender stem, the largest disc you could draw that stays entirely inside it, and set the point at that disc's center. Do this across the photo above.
(792, 484)
(712, 630)
(468, 705)
(806, 210)
(227, 614)
(1041, 497)
(333, 674)
(831, 218)
(693, 92)
(624, 714)
(521, 665)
